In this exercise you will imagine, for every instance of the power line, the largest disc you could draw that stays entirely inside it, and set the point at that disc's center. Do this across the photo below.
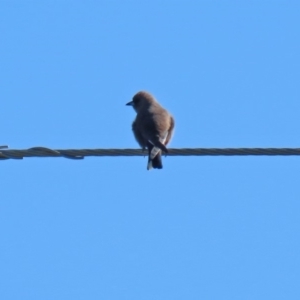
(81, 153)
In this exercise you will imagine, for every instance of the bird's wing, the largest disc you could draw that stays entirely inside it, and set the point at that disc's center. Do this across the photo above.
(170, 131)
(155, 150)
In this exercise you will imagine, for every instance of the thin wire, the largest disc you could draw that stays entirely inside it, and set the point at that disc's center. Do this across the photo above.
(81, 153)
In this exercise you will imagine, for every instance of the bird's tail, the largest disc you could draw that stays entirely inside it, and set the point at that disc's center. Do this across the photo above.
(154, 159)
(155, 163)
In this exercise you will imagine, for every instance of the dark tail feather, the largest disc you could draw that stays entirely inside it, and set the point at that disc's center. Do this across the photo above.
(156, 162)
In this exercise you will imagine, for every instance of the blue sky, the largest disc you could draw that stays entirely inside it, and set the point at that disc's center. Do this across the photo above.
(106, 228)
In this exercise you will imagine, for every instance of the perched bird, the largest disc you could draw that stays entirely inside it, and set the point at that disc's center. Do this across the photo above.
(153, 127)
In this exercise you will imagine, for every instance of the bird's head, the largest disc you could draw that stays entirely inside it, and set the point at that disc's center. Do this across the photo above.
(141, 100)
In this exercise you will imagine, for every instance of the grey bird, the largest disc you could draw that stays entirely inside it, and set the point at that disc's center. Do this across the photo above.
(153, 127)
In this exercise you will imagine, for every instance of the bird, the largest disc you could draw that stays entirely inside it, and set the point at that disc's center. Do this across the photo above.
(153, 127)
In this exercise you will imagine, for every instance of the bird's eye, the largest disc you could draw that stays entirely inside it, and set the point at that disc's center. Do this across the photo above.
(136, 101)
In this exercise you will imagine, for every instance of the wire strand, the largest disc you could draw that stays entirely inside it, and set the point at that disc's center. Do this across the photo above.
(81, 153)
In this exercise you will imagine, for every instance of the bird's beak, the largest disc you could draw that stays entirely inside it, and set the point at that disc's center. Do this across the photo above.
(130, 103)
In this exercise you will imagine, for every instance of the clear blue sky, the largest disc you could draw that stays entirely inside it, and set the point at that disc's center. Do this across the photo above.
(106, 228)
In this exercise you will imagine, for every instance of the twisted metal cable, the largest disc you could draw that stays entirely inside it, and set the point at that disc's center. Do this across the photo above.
(81, 153)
